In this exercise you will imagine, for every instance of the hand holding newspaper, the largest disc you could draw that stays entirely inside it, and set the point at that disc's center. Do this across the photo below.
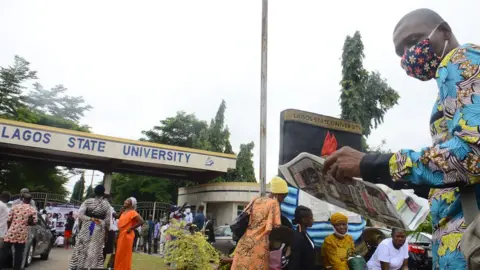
(394, 208)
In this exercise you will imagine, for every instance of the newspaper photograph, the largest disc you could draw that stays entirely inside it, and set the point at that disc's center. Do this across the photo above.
(394, 208)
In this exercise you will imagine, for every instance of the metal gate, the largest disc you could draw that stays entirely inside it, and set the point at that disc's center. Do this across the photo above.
(158, 210)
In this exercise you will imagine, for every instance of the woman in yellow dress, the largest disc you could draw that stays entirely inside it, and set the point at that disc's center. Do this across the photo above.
(337, 246)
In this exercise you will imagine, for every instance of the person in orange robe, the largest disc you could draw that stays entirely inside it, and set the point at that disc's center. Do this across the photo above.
(128, 221)
(253, 251)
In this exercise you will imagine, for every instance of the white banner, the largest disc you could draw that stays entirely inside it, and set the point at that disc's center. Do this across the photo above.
(16, 133)
(61, 211)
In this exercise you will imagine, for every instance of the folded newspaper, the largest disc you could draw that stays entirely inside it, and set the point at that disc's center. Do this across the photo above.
(394, 208)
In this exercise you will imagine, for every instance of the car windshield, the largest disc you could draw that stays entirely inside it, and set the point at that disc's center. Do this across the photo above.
(418, 238)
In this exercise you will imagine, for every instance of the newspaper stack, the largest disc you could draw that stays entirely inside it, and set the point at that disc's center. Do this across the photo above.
(394, 208)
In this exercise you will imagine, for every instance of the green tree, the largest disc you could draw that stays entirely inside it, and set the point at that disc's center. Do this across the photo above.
(244, 172)
(78, 189)
(51, 108)
(89, 192)
(12, 79)
(36, 175)
(181, 130)
(56, 102)
(425, 227)
(143, 188)
(365, 96)
(185, 130)
(216, 137)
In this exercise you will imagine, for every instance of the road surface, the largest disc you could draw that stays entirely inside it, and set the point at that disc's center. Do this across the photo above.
(58, 260)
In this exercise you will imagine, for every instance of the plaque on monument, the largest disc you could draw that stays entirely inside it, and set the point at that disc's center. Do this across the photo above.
(316, 134)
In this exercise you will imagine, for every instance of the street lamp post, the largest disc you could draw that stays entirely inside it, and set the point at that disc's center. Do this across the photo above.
(263, 101)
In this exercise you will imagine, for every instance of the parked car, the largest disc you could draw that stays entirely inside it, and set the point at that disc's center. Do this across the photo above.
(419, 251)
(223, 240)
(419, 245)
(39, 243)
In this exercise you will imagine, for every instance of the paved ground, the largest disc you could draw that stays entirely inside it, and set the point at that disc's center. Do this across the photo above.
(58, 260)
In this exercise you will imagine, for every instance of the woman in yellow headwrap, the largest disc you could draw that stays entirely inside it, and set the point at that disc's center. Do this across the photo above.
(252, 251)
(337, 246)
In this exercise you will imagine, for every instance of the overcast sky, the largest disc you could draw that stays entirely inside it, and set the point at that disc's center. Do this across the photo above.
(137, 62)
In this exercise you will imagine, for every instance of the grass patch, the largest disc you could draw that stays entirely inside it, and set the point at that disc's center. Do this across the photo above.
(142, 261)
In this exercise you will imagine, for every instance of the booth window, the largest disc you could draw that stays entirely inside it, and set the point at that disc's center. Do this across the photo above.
(240, 209)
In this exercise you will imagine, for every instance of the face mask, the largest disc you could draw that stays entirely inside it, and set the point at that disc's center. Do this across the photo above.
(340, 235)
(420, 61)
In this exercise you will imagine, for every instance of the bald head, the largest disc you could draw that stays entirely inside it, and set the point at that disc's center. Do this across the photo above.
(417, 26)
(423, 15)
(27, 198)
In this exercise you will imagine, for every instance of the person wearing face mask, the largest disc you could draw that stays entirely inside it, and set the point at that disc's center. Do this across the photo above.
(429, 50)
(337, 246)
(188, 216)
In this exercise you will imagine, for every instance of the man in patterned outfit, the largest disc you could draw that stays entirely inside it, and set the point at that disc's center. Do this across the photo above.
(17, 233)
(429, 50)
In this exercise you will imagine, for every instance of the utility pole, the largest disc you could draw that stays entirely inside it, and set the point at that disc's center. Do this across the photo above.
(263, 101)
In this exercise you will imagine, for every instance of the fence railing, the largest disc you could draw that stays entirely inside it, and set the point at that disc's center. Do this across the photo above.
(157, 209)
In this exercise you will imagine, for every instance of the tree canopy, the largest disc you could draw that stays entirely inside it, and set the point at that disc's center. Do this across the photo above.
(56, 102)
(38, 106)
(185, 130)
(78, 189)
(245, 172)
(89, 192)
(54, 107)
(143, 188)
(12, 80)
(180, 130)
(365, 96)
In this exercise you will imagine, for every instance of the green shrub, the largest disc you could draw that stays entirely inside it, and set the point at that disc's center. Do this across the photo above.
(189, 251)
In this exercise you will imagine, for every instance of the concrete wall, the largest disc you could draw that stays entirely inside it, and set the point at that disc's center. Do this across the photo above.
(218, 192)
(221, 199)
(222, 213)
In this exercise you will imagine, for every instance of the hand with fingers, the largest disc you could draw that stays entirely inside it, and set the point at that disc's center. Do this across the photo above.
(344, 163)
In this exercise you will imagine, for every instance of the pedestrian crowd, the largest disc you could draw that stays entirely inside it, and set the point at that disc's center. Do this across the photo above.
(101, 231)
(428, 49)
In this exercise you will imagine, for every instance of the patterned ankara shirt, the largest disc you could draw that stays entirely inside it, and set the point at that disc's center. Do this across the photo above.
(454, 158)
(18, 216)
